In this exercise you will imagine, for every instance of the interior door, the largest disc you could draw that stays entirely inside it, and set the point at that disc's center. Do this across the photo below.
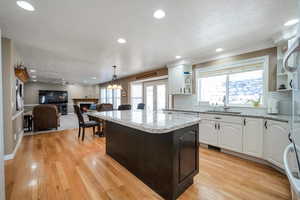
(155, 93)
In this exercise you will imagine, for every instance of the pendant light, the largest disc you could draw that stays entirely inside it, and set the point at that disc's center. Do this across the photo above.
(113, 84)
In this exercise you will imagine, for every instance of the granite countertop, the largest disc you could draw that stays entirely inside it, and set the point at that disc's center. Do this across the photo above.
(150, 121)
(282, 118)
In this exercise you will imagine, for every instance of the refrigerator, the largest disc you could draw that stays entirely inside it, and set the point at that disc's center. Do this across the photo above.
(291, 157)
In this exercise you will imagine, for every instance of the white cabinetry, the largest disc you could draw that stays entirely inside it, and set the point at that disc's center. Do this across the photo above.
(208, 132)
(275, 141)
(256, 137)
(222, 131)
(231, 136)
(253, 137)
(180, 79)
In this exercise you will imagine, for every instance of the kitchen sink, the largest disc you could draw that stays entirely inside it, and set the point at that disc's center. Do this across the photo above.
(223, 112)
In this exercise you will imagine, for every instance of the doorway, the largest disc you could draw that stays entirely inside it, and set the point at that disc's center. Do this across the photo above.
(155, 93)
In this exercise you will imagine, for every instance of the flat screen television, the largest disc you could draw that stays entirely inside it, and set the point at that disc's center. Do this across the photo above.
(52, 97)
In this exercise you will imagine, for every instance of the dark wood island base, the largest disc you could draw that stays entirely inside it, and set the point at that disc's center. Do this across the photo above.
(166, 162)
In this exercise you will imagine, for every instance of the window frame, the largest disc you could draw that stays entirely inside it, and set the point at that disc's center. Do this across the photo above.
(130, 96)
(263, 60)
(113, 96)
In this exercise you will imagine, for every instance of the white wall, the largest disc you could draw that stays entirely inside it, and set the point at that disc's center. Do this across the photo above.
(2, 183)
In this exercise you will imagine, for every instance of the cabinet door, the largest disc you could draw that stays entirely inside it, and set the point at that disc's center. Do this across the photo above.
(231, 136)
(176, 81)
(253, 137)
(188, 148)
(171, 80)
(208, 133)
(275, 141)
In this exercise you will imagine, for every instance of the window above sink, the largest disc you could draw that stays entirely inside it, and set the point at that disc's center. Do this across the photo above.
(241, 82)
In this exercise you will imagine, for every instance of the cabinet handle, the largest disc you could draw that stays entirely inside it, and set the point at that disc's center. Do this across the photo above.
(218, 118)
(244, 122)
(180, 90)
(219, 126)
(266, 124)
(290, 137)
(215, 125)
(291, 83)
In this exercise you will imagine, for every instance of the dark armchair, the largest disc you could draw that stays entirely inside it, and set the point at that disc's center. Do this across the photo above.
(45, 117)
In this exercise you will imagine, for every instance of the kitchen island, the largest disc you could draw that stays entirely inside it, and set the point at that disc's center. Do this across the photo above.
(160, 148)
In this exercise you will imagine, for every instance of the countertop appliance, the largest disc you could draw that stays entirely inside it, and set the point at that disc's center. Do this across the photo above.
(273, 106)
(291, 155)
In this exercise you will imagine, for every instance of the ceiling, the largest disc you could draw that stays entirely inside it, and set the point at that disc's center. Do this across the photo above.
(76, 40)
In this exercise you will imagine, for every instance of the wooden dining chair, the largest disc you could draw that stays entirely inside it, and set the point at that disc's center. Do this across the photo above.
(84, 124)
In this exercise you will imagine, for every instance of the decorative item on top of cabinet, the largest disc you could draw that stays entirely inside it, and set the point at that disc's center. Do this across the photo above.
(180, 78)
(253, 137)
(21, 73)
(275, 141)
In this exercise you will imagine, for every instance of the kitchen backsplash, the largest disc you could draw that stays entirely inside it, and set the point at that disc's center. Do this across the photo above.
(190, 102)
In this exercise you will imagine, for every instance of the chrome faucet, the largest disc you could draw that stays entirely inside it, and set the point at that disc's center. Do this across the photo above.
(226, 107)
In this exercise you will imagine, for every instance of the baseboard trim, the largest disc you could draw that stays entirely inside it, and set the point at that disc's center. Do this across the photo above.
(13, 154)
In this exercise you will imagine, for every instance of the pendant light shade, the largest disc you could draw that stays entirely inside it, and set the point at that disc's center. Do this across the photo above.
(109, 87)
(113, 84)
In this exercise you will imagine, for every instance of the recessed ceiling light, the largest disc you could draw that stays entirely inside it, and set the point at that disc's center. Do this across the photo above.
(291, 22)
(159, 14)
(32, 70)
(94, 78)
(25, 5)
(122, 40)
(177, 57)
(34, 76)
(34, 80)
(219, 50)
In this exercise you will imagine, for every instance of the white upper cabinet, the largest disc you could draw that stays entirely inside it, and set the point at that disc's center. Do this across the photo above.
(208, 132)
(275, 141)
(231, 136)
(180, 79)
(253, 137)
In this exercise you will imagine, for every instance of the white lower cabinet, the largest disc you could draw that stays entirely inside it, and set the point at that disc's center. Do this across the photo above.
(275, 141)
(231, 136)
(256, 137)
(253, 137)
(208, 132)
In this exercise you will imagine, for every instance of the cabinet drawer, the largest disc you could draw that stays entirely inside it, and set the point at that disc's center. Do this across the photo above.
(222, 118)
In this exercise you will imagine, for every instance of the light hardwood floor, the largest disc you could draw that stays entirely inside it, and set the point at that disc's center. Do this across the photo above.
(57, 166)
